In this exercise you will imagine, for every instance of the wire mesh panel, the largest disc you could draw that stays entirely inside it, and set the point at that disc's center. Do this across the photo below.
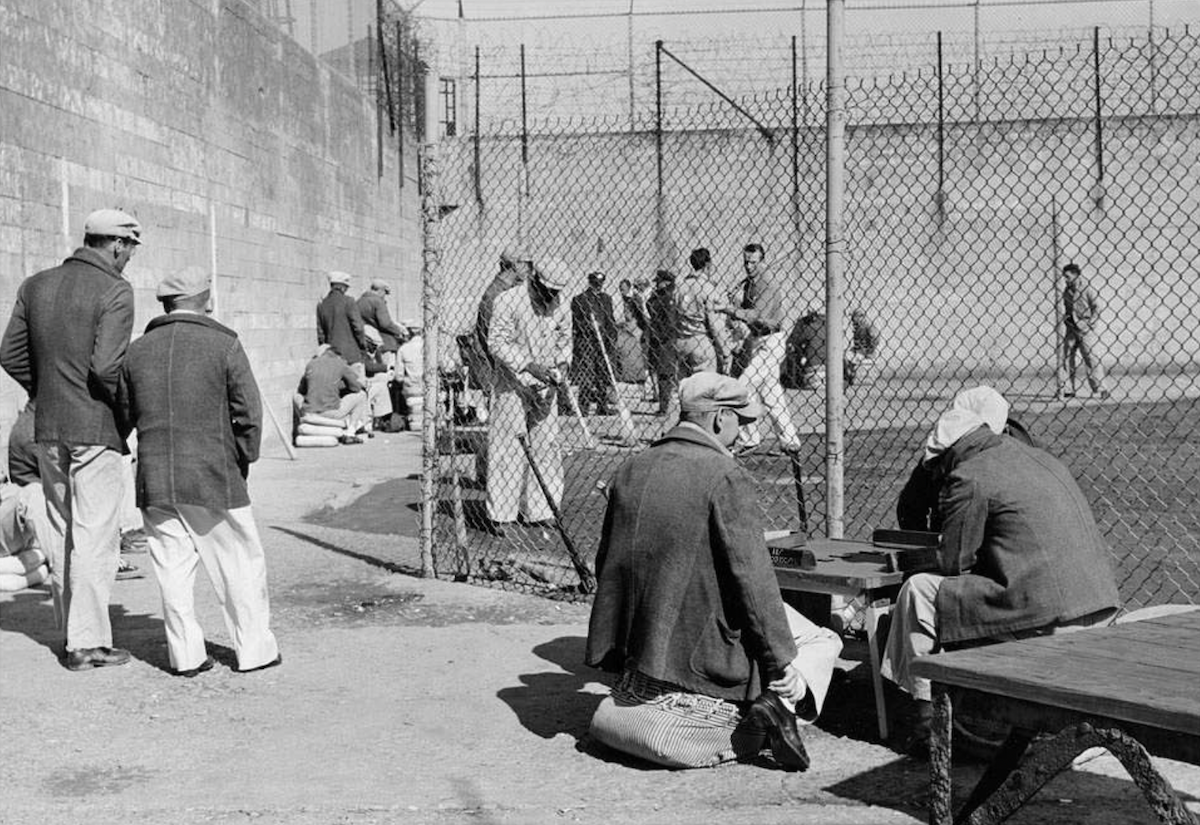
(970, 191)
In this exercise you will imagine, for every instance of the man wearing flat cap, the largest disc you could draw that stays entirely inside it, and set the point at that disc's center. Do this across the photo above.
(372, 306)
(711, 664)
(64, 345)
(340, 324)
(594, 331)
(188, 390)
(530, 342)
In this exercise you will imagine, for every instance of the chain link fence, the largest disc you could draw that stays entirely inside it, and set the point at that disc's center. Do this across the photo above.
(970, 188)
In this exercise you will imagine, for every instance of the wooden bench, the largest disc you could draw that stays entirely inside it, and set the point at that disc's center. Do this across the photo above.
(1132, 688)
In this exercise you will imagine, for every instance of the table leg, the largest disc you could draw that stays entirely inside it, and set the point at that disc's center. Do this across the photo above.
(875, 611)
(940, 802)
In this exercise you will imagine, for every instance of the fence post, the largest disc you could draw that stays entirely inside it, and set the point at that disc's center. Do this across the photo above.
(629, 55)
(400, 100)
(1056, 299)
(659, 218)
(835, 252)
(940, 197)
(523, 184)
(795, 144)
(1098, 192)
(431, 304)
(476, 148)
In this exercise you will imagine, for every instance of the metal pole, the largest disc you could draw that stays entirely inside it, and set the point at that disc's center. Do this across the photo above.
(478, 173)
(629, 55)
(835, 254)
(1153, 64)
(524, 117)
(659, 218)
(431, 305)
(400, 99)
(378, 114)
(1056, 292)
(1099, 124)
(975, 68)
(941, 127)
(795, 134)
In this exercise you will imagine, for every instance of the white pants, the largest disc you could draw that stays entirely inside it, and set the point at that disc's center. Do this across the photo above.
(378, 397)
(83, 486)
(352, 409)
(227, 543)
(512, 487)
(22, 517)
(762, 375)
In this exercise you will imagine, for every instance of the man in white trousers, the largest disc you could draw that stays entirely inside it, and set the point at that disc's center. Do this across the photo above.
(188, 390)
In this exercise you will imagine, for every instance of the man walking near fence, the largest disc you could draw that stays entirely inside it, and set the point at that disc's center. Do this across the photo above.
(188, 390)
(1081, 333)
(64, 344)
(699, 334)
(530, 343)
(594, 330)
(760, 308)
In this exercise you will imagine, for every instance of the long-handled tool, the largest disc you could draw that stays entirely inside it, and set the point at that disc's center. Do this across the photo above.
(589, 440)
(798, 480)
(627, 427)
(587, 580)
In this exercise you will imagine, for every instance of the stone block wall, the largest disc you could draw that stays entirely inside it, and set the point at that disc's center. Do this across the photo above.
(236, 149)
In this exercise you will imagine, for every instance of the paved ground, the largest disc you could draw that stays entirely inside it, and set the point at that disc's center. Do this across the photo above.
(405, 700)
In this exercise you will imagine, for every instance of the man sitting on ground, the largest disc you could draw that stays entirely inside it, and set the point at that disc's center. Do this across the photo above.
(712, 663)
(332, 390)
(22, 511)
(1020, 554)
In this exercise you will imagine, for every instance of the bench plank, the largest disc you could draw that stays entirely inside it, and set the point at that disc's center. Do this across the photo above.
(1078, 671)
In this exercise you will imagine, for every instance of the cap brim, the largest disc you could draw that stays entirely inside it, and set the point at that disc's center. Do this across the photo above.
(751, 412)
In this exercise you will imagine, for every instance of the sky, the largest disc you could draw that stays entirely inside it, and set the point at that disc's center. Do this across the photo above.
(669, 19)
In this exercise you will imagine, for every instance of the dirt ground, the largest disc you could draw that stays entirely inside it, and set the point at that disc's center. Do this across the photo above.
(408, 700)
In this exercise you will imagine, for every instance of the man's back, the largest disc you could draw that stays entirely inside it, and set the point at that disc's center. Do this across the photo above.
(684, 572)
(1019, 541)
(339, 324)
(64, 344)
(197, 410)
(325, 376)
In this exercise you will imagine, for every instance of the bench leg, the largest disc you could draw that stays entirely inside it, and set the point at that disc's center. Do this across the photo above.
(940, 730)
(875, 611)
(1048, 757)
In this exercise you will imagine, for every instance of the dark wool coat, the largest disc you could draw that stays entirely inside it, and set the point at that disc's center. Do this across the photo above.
(188, 389)
(340, 325)
(686, 591)
(64, 343)
(1019, 543)
(374, 311)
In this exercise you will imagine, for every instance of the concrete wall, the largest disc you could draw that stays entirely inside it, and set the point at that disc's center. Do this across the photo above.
(969, 284)
(232, 145)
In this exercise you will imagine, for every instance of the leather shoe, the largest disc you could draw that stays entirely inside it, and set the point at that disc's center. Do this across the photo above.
(769, 713)
(278, 660)
(86, 658)
(191, 673)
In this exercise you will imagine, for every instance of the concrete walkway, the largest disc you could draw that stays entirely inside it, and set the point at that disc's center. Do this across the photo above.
(404, 700)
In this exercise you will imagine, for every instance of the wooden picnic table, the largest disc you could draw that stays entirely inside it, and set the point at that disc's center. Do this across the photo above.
(1132, 688)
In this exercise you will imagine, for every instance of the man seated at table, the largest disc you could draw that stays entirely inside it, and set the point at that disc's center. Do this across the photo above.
(1020, 555)
(712, 663)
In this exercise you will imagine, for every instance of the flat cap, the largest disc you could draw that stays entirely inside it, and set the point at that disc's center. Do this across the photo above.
(185, 283)
(380, 285)
(337, 277)
(710, 391)
(553, 273)
(113, 223)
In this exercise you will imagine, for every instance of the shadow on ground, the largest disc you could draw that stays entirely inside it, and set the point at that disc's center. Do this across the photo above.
(555, 701)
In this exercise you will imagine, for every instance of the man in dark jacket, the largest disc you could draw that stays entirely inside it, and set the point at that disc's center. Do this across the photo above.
(372, 306)
(687, 608)
(594, 338)
(188, 390)
(340, 325)
(64, 345)
(661, 356)
(1020, 554)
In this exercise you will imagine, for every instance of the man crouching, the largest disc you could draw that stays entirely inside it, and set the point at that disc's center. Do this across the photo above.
(712, 664)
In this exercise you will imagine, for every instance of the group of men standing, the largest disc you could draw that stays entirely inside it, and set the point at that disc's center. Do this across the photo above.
(186, 387)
